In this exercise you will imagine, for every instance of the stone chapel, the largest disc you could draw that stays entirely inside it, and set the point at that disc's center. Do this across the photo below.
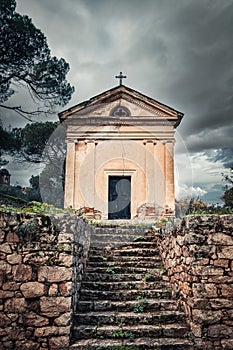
(120, 159)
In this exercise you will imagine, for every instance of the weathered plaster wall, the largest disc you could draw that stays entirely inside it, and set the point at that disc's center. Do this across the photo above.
(41, 264)
(100, 145)
(199, 259)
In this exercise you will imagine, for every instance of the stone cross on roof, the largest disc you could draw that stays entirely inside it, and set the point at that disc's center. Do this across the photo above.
(120, 77)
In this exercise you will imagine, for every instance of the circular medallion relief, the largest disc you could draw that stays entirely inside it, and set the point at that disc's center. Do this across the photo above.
(120, 111)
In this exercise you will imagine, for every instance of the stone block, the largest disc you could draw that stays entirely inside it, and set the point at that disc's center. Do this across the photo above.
(5, 248)
(51, 331)
(14, 259)
(4, 320)
(45, 331)
(16, 305)
(196, 329)
(198, 290)
(65, 289)
(55, 306)
(12, 238)
(38, 258)
(219, 330)
(225, 252)
(221, 263)
(54, 274)
(5, 268)
(219, 238)
(65, 260)
(23, 273)
(2, 256)
(32, 289)
(227, 344)
(33, 319)
(200, 303)
(207, 270)
(26, 345)
(221, 303)
(63, 320)
(227, 290)
(65, 237)
(10, 286)
(220, 279)
(2, 236)
(53, 290)
(211, 290)
(56, 343)
(5, 294)
(206, 316)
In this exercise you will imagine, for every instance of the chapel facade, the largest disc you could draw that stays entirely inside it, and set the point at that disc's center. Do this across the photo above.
(120, 155)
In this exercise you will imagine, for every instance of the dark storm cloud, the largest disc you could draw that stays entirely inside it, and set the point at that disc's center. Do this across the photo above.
(178, 51)
(225, 155)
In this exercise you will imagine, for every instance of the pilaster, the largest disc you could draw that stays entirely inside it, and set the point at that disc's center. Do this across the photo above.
(70, 174)
(169, 165)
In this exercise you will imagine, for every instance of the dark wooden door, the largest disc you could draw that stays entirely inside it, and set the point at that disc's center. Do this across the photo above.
(119, 197)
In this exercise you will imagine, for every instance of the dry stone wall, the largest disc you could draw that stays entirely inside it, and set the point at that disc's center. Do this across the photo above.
(41, 264)
(198, 256)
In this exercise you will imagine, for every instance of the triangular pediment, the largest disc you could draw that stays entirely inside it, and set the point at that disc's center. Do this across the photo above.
(127, 100)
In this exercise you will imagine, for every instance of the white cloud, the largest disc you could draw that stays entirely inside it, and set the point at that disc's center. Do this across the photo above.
(196, 175)
(186, 191)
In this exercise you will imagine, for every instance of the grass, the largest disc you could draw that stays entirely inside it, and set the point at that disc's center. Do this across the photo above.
(35, 207)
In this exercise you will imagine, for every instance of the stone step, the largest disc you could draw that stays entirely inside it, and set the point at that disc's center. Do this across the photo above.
(112, 242)
(105, 258)
(126, 269)
(115, 286)
(116, 277)
(128, 318)
(130, 305)
(125, 252)
(138, 344)
(131, 263)
(131, 332)
(116, 231)
(122, 295)
(121, 242)
(125, 298)
(129, 237)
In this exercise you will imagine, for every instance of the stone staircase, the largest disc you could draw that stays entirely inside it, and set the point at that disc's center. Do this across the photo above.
(126, 301)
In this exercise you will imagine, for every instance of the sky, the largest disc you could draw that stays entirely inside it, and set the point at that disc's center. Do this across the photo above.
(179, 52)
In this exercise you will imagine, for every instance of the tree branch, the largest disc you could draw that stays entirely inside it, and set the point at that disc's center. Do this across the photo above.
(25, 114)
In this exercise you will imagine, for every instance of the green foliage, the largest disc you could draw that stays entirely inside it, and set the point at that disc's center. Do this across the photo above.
(26, 59)
(32, 140)
(34, 182)
(228, 194)
(110, 270)
(17, 192)
(8, 144)
(161, 223)
(147, 278)
(228, 198)
(43, 143)
(138, 308)
(123, 334)
(196, 205)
